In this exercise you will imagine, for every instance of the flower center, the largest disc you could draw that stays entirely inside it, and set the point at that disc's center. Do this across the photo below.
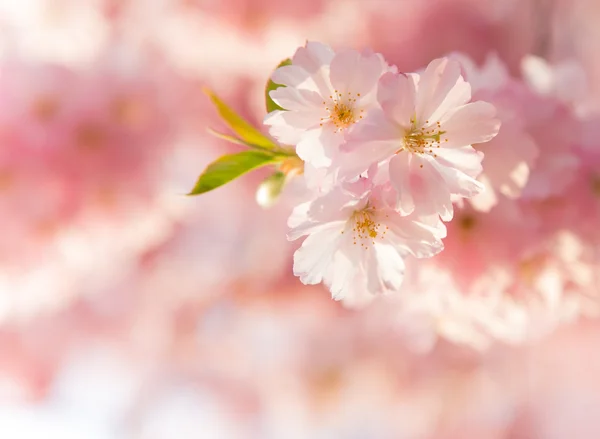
(365, 229)
(342, 111)
(423, 140)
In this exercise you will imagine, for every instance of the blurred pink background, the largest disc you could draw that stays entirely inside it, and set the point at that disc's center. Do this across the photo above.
(129, 311)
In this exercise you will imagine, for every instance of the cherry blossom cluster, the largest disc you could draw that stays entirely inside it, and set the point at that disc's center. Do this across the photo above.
(385, 156)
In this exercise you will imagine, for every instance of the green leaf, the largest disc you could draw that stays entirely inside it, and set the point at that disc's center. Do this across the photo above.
(269, 190)
(276, 150)
(272, 106)
(230, 138)
(230, 167)
(239, 125)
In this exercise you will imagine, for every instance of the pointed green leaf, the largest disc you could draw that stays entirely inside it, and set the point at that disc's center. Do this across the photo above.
(269, 190)
(230, 167)
(239, 125)
(276, 150)
(229, 138)
(272, 106)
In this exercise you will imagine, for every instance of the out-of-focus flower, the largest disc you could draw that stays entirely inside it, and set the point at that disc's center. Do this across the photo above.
(508, 157)
(403, 31)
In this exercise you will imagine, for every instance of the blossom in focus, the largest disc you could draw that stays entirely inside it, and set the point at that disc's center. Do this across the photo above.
(325, 94)
(424, 130)
(357, 243)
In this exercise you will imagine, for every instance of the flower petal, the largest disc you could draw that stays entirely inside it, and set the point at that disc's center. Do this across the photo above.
(385, 268)
(459, 168)
(422, 239)
(352, 72)
(313, 260)
(318, 146)
(397, 96)
(441, 88)
(290, 98)
(345, 269)
(429, 189)
(316, 58)
(399, 171)
(469, 124)
(294, 76)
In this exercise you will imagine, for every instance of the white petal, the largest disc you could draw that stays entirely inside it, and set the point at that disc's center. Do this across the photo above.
(422, 239)
(441, 88)
(318, 146)
(385, 268)
(469, 124)
(282, 130)
(294, 76)
(345, 267)
(290, 98)
(352, 72)
(313, 260)
(454, 172)
(429, 189)
(372, 141)
(399, 171)
(465, 159)
(397, 95)
(316, 58)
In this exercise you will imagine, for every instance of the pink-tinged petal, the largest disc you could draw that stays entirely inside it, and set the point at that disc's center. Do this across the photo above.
(280, 129)
(293, 99)
(353, 164)
(351, 72)
(441, 88)
(421, 238)
(308, 228)
(321, 180)
(313, 260)
(486, 200)
(559, 171)
(333, 206)
(375, 127)
(294, 76)
(466, 160)
(508, 159)
(399, 172)
(346, 263)
(298, 216)
(492, 75)
(385, 268)
(290, 127)
(373, 141)
(470, 124)
(429, 189)
(319, 52)
(318, 146)
(397, 96)
(454, 171)
(316, 58)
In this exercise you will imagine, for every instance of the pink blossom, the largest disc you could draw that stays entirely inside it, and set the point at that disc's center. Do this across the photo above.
(357, 243)
(424, 131)
(557, 132)
(403, 30)
(326, 93)
(508, 157)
